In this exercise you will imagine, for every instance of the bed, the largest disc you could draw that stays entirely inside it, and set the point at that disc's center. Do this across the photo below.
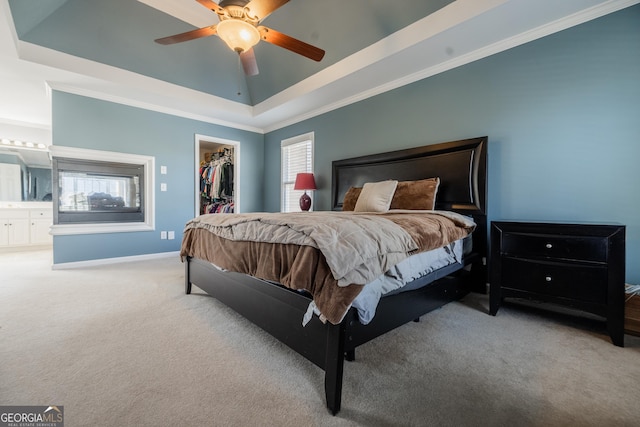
(280, 310)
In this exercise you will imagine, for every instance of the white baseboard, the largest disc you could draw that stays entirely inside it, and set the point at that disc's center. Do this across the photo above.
(104, 261)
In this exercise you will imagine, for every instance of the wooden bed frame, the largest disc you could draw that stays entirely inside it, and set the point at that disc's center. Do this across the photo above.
(461, 166)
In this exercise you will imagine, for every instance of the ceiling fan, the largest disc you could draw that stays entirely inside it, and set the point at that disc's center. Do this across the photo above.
(239, 28)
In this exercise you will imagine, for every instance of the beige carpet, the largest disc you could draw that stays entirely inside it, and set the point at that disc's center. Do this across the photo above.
(122, 345)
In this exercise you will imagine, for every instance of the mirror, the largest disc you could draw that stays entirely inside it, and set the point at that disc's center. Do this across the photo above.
(25, 174)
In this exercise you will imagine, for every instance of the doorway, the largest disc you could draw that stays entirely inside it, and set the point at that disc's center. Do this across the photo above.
(210, 149)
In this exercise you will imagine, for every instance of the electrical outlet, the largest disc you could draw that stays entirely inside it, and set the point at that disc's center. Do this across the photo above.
(163, 186)
(163, 235)
(172, 235)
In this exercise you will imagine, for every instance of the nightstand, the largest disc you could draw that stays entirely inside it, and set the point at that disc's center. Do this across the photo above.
(576, 265)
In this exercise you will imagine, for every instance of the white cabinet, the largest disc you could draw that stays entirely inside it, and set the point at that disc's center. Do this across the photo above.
(40, 222)
(15, 227)
(25, 226)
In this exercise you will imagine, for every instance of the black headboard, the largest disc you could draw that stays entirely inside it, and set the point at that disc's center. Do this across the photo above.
(460, 165)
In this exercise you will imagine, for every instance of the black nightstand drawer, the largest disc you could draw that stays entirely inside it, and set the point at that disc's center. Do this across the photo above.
(582, 283)
(584, 248)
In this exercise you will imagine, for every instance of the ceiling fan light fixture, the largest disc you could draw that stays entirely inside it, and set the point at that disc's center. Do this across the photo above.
(239, 35)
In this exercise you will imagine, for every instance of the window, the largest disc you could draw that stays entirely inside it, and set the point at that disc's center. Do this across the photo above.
(297, 156)
(101, 191)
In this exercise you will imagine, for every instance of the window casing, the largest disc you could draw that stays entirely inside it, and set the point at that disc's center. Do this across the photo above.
(297, 157)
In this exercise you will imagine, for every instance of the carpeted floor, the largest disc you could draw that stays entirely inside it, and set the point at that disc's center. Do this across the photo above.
(122, 345)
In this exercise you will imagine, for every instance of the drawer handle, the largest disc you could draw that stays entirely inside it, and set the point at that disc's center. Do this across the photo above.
(548, 245)
(547, 278)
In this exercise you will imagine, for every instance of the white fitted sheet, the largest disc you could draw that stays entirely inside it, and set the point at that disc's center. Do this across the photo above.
(446, 259)
(397, 277)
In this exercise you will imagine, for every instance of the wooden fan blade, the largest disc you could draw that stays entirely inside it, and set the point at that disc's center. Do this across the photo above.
(249, 63)
(212, 5)
(189, 35)
(288, 42)
(260, 9)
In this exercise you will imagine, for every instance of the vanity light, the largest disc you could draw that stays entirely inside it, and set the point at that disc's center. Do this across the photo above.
(28, 144)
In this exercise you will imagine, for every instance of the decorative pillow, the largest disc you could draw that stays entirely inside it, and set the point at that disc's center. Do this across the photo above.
(350, 198)
(416, 194)
(376, 196)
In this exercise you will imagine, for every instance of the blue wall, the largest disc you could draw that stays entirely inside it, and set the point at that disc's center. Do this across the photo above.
(89, 123)
(562, 114)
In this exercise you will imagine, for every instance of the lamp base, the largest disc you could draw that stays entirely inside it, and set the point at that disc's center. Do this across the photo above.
(305, 202)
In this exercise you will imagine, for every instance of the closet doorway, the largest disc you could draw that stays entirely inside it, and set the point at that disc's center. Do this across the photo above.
(216, 195)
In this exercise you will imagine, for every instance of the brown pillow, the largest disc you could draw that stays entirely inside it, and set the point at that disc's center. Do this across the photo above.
(350, 198)
(416, 194)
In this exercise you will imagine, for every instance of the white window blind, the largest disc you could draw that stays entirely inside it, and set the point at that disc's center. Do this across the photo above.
(297, 156)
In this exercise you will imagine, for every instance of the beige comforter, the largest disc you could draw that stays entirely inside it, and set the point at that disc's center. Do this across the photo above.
(321, 252)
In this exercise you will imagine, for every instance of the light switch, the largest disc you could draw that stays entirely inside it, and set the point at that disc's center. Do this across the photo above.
(172, 235)
(163, 170)
(163, 186)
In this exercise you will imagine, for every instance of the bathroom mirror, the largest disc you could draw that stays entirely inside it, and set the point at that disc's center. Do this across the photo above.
(25, 174)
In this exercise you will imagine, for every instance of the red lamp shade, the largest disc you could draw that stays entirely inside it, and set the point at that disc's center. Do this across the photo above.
(305, 181)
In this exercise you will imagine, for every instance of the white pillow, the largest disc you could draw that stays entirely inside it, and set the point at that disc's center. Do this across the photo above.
(376, 196)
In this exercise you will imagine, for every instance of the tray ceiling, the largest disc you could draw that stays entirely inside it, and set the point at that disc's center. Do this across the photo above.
(105, 49)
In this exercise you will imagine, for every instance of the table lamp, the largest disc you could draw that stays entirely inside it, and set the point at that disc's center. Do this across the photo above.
(305, 181)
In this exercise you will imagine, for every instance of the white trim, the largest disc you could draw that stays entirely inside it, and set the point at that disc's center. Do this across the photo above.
(309, 136)
(236, 169)
(569, 21)
(196, 99)
(99, 228)
(111, 156)
(106, 261)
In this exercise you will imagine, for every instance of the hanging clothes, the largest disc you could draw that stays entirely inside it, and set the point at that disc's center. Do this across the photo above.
(216, 184)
